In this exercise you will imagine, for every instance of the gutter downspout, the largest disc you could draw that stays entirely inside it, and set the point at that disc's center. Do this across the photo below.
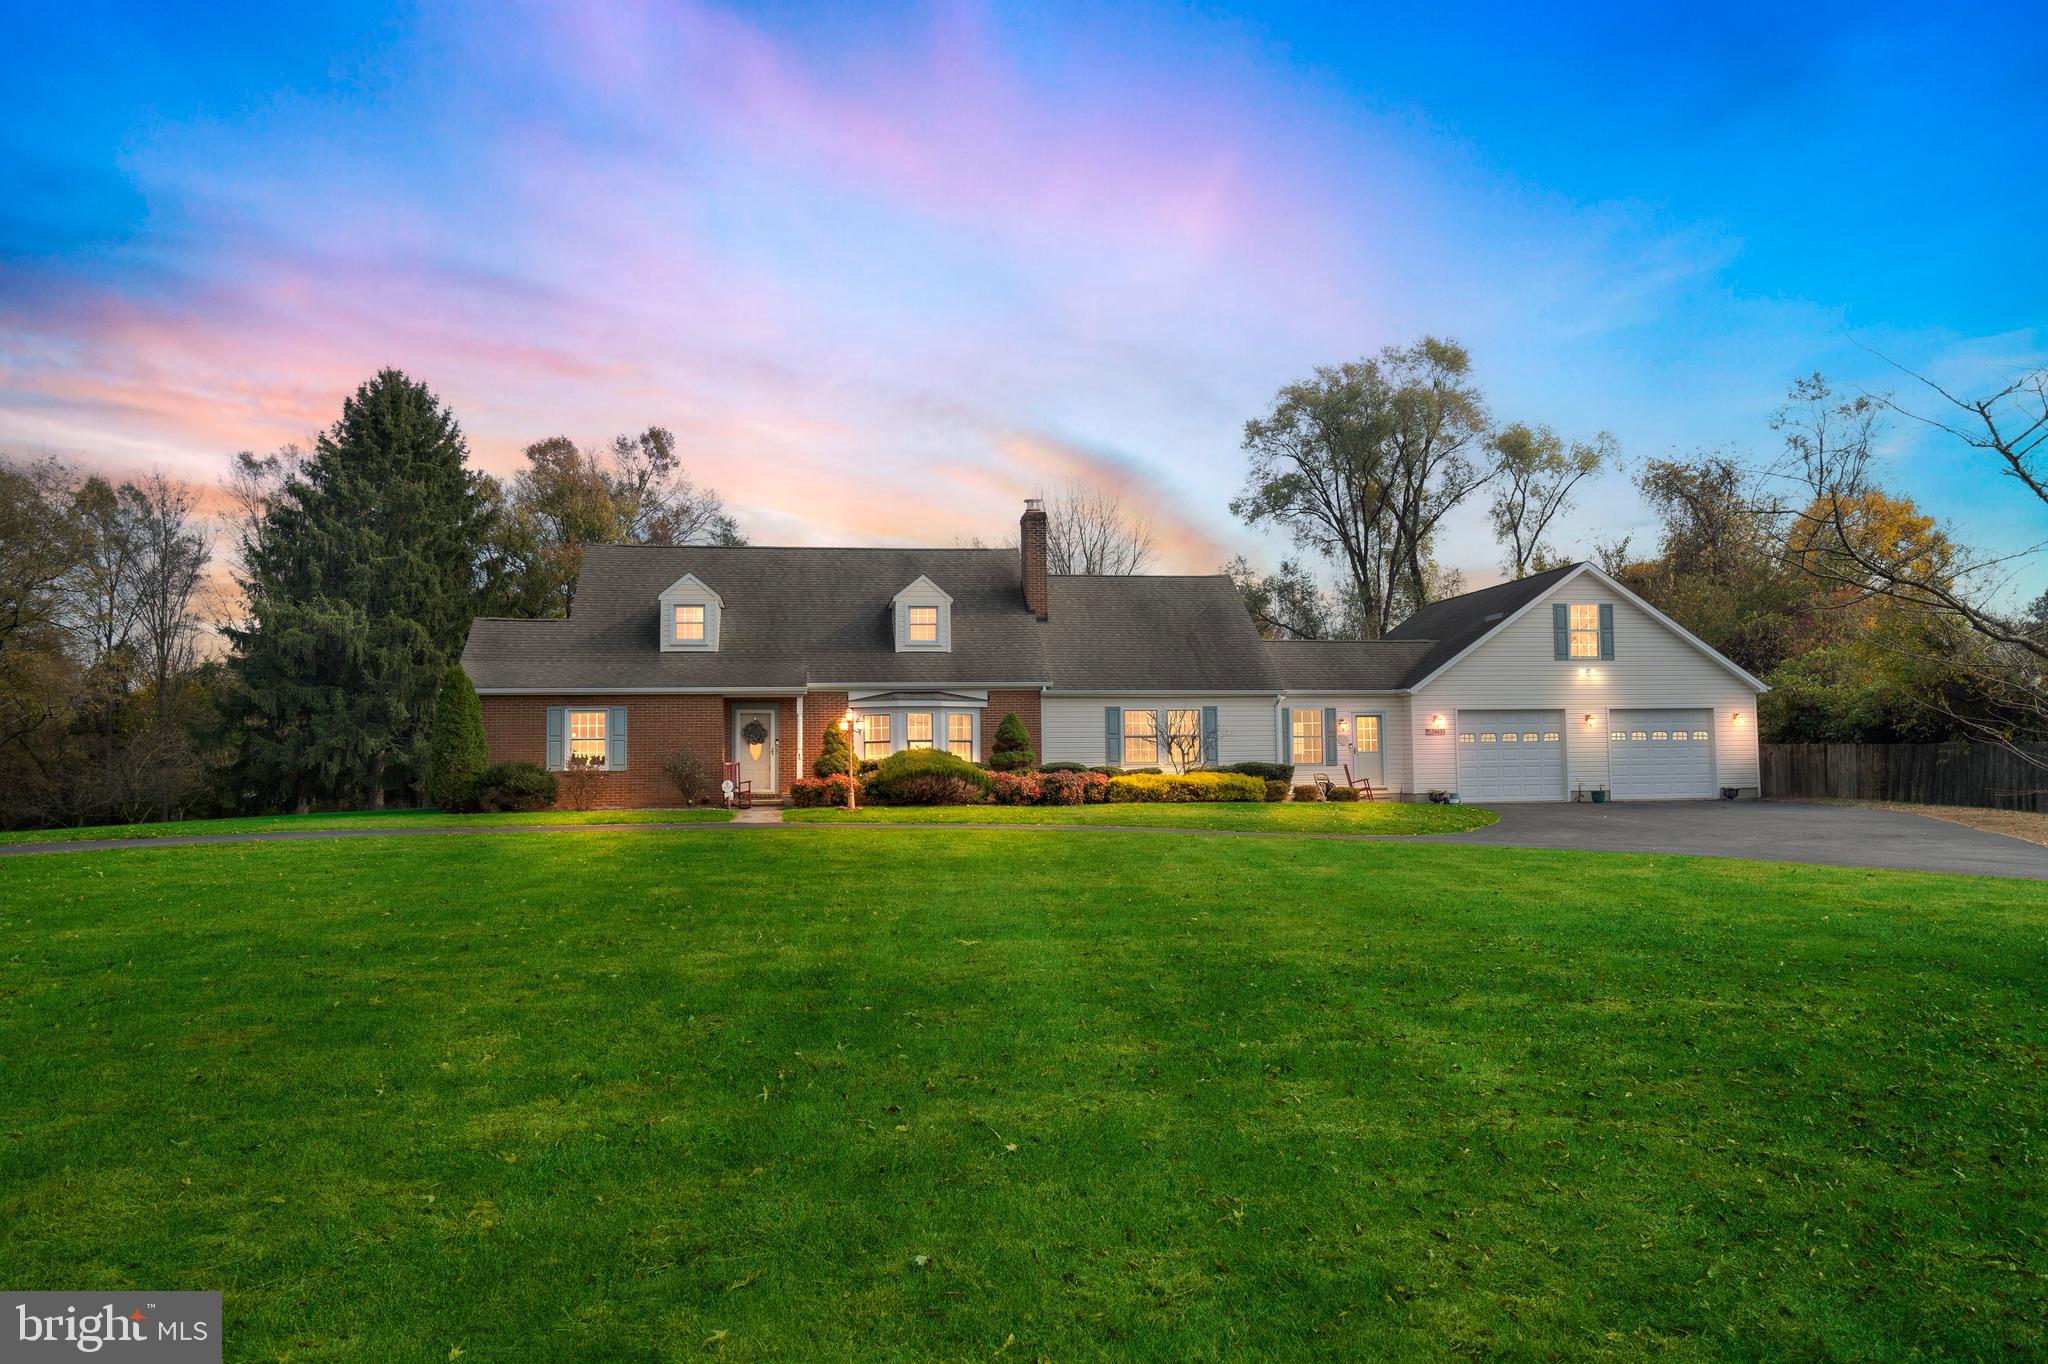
(799, 734)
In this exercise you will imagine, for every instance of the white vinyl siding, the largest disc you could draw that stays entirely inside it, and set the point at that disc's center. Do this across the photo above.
(1390, 770)
(1072, 729)
(1653, 668)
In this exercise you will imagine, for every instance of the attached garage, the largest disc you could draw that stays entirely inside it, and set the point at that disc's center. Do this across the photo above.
(1661, 754)
(1510, 755)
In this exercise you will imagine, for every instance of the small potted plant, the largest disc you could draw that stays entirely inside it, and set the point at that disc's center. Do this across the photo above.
(1599, 795)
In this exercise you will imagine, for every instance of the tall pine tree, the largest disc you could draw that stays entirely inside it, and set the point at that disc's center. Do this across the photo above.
(360, 579)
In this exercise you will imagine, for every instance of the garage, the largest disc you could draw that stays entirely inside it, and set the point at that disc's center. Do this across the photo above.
(1510, 755)
(1661, 754)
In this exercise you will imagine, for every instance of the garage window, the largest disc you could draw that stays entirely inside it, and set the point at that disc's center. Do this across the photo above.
(1464, 738)
(1616, 735)
(1700, 734)
(1637, 735)
(1486, 738)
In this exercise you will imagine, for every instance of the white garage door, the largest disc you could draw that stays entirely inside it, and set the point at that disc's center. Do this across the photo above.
(1660, 754)
(1510, 755)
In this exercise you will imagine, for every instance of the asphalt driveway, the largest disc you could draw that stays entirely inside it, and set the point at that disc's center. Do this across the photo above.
(1768, 830)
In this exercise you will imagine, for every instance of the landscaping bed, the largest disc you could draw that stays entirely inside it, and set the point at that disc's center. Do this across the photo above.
(362, 819)
(1378, 817)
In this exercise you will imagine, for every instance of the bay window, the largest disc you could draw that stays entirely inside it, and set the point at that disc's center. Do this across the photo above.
(960, 735)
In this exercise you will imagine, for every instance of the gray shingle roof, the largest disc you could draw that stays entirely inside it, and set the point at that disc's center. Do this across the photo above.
(1346, 665)
(1456, 622)
(1152, 632)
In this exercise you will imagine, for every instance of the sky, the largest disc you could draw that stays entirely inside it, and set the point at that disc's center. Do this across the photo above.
(888, 270)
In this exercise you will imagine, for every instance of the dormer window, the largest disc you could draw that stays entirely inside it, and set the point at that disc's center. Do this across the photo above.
(923, 615)
(690, 616)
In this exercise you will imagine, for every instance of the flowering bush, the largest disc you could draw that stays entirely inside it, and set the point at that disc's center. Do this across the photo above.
(1188, 787)
(817, 792)
(1016, 788)
(1064, 787)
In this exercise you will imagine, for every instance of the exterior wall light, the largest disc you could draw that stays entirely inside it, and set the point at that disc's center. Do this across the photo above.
(1344, 727)
(1589, 719)
(1437, 725)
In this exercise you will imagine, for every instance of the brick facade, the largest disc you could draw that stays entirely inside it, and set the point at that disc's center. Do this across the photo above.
(516, 729)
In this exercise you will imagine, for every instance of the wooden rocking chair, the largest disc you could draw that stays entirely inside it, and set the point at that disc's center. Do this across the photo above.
(742, 796)
(1362, 785)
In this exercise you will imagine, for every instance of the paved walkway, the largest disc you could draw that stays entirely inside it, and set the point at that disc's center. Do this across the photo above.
(1769, 831)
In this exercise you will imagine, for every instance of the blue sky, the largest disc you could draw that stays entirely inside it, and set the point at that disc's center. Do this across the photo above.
(887, 270)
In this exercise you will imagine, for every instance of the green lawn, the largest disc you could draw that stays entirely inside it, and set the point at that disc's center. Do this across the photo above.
(992, 1095)
(1307, 817)
(361, 819)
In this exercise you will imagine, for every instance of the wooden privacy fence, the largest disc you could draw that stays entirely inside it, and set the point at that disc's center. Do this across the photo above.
(1927, 774)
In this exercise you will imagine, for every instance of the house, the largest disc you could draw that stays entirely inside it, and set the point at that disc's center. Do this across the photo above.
(1529, 690)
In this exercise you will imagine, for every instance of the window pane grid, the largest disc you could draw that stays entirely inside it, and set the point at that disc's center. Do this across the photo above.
(960, 735)
(1585, 632)
(917, 729)
(1141, 737)
(587, 738)
(924, 624)
(876, 743)
(1308, 736)
(690, 624)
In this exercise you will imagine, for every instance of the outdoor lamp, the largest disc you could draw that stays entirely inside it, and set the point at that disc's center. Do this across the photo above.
(1343, 726)
(1436, 724)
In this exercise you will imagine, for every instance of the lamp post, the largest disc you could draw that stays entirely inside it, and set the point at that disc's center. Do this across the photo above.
(854, 730)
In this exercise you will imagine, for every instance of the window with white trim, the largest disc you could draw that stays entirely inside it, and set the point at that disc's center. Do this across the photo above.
(917, 729)
(924, 625)
(587, 738)
(1585, 632)
(1184, 738)
(1307, 745)
(875, 737)
(960, 734)
(690, 624)
(1365, 733)
(1141, 738)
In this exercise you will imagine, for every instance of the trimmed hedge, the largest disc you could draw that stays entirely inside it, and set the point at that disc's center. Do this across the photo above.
(1263, 771)
(1342, 793)
(1308, 792)
(514, 786)
(1066, 767)
(1011, 751)
(1187, 788)
(1276, 791)
(927, 776)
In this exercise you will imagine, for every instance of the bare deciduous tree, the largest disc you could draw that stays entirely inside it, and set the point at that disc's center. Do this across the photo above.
(1088, 531)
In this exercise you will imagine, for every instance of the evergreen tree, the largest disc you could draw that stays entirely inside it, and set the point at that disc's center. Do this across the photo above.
(360, 577)
(1012, 749)
(834, 755)
(459, 752)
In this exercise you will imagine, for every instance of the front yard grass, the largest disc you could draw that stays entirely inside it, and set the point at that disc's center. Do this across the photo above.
(993, 1095)
(1298, 817)
(360, 819)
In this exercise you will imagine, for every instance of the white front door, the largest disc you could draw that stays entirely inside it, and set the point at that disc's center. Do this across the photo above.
(756, 760)
(1661, 754)
(1510, 755)
(1368, 763)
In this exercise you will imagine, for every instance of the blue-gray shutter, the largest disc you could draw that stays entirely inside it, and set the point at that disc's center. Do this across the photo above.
(1561, 628)
(558, 728)
(1330, 736)
(615, 740)
(1112, 735)
(1606, 630)
(1286, 735)
(1208, 736)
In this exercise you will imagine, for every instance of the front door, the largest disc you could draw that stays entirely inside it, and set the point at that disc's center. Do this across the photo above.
(1368, 763)
(756, 760)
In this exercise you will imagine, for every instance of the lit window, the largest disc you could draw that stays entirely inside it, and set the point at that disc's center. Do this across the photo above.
(690, 624)
(1616, 736)
(1637, 735)
(1678, 736)
(876, 744)
(1141, 738)
(1308, 736)
(1365, 733)
(1585, 632)
(924, 626)
(1700, 734)
(586, 738)
(1549, 736)
(1486, 738)
(917, 729)
(1184, 737)
(960, 735)
(1464, 738)
(1659, 735)
(1529, 738)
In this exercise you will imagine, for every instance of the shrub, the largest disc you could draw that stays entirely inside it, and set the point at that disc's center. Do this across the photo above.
(1016, 788)
(1276, 790)
(580, 784)
(1065, 787)
(1342, 793)
(1063, 767)
(1264, 771)
(835, 756)
(816, 792)
(1188, 787)
(691, 776)
(1309, 792)
(459, 755)
(1108, 771)
(1011, 751)
(900, 779)
(515, 786)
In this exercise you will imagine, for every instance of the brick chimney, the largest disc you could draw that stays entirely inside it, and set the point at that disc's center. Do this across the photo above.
(1031, 533)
